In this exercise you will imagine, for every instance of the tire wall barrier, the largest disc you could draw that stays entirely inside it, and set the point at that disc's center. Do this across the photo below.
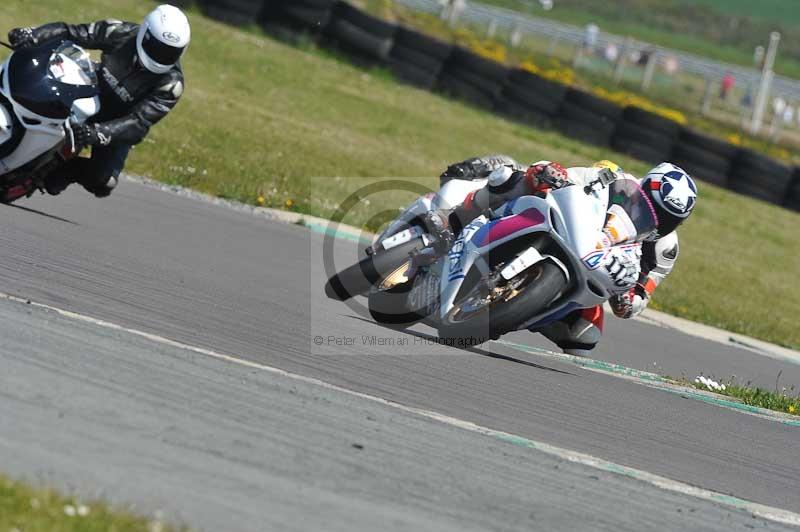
(431, 64)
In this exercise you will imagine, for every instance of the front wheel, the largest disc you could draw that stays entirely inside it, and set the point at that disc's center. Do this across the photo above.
(484, 314)
(359, 278)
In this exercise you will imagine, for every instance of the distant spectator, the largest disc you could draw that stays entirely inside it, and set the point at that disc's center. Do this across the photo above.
(611, 53)
(728, 81)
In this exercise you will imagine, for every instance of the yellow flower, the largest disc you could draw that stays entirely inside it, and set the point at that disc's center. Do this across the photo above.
(289, 203)
(260, 200)
(792, 409)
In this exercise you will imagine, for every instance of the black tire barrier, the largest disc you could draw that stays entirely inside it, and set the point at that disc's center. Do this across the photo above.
(365, 22)
(363, 44)
(699, 171)
(526, 97)
(366, 38)
(793, 196)
(690, 154)
(650, 153)
(463, 90)
(473, 78)
(707, 143)
(286, 17)
(523, 114)
(644, 135)
(580, 123)
(412, 75)
(652, 121)
(413, 57)
(468, 61)
(595, 104)
(541, 86)
(236, 12)
(429, 46)
(759, 176)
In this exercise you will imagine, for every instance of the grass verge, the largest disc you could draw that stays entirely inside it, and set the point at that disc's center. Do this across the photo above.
(785, 400)
(261, 121)
(25, 509)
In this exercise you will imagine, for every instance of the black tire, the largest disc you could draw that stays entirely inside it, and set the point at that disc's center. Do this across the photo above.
(355, 39)
(415, 58)
(523, 114)
(359, 278)
(487, 85)
(685, 154)
(703, 173)
(761, 177)
(236, 12)
(793, 195)
(313, 18)
(508, 315)
(462, 90)
(710, 144)
(531, 98)
(364, 21)
(414, 76)
(390, 307)
(644, 152)
(651, 121)
(582, 132)
(540, 86)
(592, 103)
(643, 135)
(465, 60)
(429, 46)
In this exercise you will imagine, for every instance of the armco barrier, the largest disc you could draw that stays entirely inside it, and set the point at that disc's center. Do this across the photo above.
(429, 63)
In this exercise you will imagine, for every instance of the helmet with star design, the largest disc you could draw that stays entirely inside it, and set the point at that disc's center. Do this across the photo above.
(673, 194)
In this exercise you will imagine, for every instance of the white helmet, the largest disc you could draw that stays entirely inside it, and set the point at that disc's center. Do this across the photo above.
(162, 39)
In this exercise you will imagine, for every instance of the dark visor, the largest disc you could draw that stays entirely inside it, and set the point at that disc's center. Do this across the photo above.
(161, 53)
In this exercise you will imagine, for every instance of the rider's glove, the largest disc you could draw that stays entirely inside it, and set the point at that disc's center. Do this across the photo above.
(89, 135)
(21, 38)
(542, 177)
(624, 266)
(629, 304)
(438, 224)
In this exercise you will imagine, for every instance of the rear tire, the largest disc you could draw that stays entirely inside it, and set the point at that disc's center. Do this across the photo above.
(504, 316)
(390, 307)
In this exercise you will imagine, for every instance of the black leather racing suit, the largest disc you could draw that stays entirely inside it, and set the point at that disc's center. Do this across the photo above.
(132, 99)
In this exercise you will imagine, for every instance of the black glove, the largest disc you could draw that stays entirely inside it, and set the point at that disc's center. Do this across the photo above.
(89, 135)
(21, 38)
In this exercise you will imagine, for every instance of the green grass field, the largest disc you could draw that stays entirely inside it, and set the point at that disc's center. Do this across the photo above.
(25, 509)
(263, 118)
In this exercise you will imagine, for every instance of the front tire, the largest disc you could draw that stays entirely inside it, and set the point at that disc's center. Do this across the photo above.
(464, 328)
(359, 278)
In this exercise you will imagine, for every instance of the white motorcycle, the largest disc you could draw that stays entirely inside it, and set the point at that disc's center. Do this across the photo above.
(528, 263)
(43, 91)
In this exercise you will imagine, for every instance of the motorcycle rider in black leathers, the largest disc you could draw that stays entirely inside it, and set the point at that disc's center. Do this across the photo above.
(140, 80)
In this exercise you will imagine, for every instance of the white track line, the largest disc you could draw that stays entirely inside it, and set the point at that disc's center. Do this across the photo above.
(756, 509)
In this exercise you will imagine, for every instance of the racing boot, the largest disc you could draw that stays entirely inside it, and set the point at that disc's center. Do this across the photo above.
(56, 184)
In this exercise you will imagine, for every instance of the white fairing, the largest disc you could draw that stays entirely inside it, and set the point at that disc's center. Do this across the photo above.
(42, 133)
(573, 218)
(5, 125)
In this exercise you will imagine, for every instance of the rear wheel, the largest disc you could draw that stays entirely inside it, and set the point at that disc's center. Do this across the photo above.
(483, 314)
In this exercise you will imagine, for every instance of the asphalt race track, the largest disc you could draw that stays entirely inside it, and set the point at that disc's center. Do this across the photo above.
(221, 445)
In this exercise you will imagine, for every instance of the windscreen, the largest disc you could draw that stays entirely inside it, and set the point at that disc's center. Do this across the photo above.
(72, 65)
(630, 216)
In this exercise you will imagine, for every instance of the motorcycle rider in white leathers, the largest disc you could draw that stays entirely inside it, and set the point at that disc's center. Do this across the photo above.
(671, 191)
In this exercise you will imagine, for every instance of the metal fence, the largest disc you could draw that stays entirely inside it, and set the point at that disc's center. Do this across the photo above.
(514, 21)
